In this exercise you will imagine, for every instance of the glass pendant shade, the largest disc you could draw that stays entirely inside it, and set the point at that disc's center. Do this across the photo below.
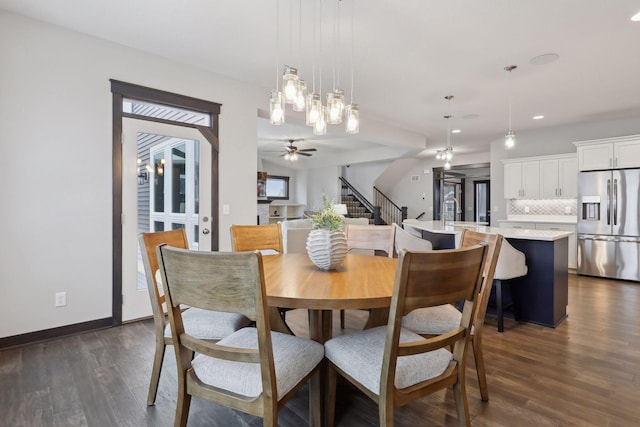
(353, 118)
(447, 165)
(335, 106)
(314, 107)
(510, 139)
(320, 127)
(290, 84)
(449, 153)
(276, 108)
(301, 96)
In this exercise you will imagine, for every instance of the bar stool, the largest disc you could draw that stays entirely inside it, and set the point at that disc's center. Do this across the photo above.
(511, 264)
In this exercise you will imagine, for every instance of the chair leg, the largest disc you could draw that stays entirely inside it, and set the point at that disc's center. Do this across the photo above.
(462, 406)
(182, 409)
(158, 358)
(499, 306)
(341, 319)
(480, 370)
(330, 401)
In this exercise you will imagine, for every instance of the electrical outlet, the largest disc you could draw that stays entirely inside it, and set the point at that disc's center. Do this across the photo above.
(225, 209)
(526, 209)
(61, 299)
(567, 210)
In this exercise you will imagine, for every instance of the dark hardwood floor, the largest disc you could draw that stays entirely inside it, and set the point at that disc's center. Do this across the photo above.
(586, 372)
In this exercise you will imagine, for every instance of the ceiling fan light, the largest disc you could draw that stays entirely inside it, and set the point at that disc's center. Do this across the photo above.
(320, 127)
(293, 157)
(353, 119)
(276, 108)
(510, 139)
(290, 84)
(301, 96)
(314, 106)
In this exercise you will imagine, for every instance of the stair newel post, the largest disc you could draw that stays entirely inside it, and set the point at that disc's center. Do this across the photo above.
(377, 220)
(404, 213)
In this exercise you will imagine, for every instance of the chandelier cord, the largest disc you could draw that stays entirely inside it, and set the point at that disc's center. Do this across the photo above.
(277, 45)
(352, 48)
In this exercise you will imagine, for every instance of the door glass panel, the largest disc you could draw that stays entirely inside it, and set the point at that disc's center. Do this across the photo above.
(158, 182)
(178, 187)
(158, 226)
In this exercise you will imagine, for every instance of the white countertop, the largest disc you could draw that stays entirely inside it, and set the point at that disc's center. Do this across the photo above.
(555, 219)
(509, 233)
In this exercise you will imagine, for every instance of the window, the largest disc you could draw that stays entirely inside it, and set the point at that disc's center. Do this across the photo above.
(278, 187)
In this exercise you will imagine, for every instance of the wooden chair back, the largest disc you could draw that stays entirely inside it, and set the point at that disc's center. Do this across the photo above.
(426, 279)
(148, 243)
(494, 244)
(373, 237)
(218, 281)
(256, 238)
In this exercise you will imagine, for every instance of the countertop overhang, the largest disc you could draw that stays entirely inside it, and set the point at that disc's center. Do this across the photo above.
(508, 233)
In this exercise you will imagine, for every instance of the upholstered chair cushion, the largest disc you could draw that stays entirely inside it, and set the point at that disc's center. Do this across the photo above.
(294, 358)
(405, 240)
(435, 320)
(511, 263)
(360, 355)
(210, 325)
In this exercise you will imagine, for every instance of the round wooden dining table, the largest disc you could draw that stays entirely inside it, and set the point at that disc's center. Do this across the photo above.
(361, 282)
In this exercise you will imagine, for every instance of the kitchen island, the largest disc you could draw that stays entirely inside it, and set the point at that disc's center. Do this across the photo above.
(541, 297)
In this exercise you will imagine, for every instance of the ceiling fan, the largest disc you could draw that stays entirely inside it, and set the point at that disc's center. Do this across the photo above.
(291, 151)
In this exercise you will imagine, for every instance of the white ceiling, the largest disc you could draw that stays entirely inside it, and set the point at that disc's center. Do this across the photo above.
(408, 55)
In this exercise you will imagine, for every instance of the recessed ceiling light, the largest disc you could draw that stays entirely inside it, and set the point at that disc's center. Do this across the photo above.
(636, 17)
(538, 117)
(456, 131)
(471, 116)
(546, 58)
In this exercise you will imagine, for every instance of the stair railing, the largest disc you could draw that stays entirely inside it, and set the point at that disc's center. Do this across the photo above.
(389, 211)
(350, 190)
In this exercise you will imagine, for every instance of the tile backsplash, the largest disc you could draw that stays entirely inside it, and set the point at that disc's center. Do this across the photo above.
(542, 207)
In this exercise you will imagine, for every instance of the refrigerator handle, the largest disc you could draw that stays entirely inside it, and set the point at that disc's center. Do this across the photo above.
(615, 202)
(608, 202)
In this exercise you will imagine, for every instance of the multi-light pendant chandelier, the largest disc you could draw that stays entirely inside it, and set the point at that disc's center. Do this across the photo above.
(447, 153)
(510, 137)
(294, 89)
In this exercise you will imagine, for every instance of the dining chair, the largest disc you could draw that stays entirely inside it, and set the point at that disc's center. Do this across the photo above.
(438, 320)
(368, 238)
(394, 366)
(267, 239)
(206, 325)
(253, 370)
(406, 240)
(512, 264)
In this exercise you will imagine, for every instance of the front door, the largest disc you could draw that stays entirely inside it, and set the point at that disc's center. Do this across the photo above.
(166, 185)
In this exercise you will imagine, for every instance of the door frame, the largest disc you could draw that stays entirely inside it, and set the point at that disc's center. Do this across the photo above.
(475, 198)
(121, 90)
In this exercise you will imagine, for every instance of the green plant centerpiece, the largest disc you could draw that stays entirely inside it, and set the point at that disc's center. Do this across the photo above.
(327, 242)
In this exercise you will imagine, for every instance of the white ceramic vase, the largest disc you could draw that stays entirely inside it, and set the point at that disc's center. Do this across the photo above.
(326, 249)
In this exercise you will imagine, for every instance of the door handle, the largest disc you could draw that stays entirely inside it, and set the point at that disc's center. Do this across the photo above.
(615, 201)
(205, 231)
(608, 202)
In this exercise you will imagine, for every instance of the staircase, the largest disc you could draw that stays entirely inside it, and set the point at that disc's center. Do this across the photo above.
(354, 207)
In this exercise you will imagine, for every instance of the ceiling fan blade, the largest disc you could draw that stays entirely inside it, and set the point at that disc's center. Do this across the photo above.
(308, 149)
(304, 154)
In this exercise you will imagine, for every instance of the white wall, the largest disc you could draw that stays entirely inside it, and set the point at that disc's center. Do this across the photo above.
(322, 181)
(55, 142)
(363, 176)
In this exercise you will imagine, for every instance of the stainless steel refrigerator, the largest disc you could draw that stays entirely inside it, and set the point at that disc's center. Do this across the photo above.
(608, 230)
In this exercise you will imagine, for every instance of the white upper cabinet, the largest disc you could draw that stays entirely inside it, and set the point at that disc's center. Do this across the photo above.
(609, 153)
(521, 179)
(558, 177)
